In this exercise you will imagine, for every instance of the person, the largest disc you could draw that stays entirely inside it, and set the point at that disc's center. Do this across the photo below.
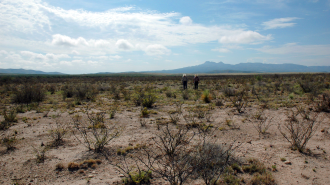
(184, 81)
(196, 80)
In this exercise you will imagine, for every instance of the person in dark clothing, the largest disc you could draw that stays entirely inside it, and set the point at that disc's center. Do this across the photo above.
(196, 80)
(184, 81)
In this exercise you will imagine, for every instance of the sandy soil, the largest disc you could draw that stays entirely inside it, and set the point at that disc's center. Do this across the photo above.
(19, 165)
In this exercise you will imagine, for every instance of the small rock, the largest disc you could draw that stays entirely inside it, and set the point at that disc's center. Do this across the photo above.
(90, 176)
(288, 162)
(121, 175)
(249, 141)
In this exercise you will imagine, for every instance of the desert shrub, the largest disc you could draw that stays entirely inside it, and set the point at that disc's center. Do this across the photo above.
(323, 103)
(94, 132)
(90, 163)
(113, 111)
(51, 88)
(210, 160)
(58, 132)
(228, 91)
(265, 178)
(138, 97)
(9, 141)
(254, 166)
(27, 94)
(149, 99)
(141, 177)
(144, 112)
(261, 122)
(171, 157)
(240, 99)
(206, 96)
(299, 127)
(72, 166)
(59, 166)
(67, 91)
(40, 153)
(185, 95)
(175, 114)
(10, 116)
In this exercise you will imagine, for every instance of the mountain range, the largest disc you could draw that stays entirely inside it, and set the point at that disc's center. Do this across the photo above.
(210, 67)
(25, 71)
(220, 67)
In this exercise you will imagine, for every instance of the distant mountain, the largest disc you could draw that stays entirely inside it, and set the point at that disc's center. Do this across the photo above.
(24, 71)
(213, 67)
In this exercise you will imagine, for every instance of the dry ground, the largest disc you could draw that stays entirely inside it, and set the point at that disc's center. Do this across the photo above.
(32, 130)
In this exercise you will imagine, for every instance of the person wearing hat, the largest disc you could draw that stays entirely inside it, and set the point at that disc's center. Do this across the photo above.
(184, 81)
(196, 80)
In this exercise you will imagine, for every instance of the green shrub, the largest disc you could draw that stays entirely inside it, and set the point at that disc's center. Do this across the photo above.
(142, 177)
(206, 96)
(265, 178)
(149, 99)
(27, 94)
(10, 116)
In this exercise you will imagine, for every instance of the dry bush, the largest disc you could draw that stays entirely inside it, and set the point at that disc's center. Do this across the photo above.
(175, 114)
(185, 94)
(9, 142)
(261, 122)
(299, 127)
(10, 116)
(59, 166)
(210, 159)
(72, 166)
(58, 132)
(93, 132)
(171, 157)
(240, 99)
(40, 153)
(28, 93)
(323, 104)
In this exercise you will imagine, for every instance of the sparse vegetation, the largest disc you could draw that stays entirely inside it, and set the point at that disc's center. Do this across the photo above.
(156, 142)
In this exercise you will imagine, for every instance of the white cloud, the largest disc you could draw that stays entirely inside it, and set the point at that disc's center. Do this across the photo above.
(186, 20)
(75, 52)
(115, 57)
(279, 23)
(157, 49)
(63, 40)
(244, 37)
(3, 52)
(222, 50)
(124, 44)
(293, 48)
(48, 57)
(22, 16)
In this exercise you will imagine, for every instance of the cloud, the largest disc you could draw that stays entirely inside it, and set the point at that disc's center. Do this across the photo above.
(115, 57)
(186, 20)
(293, 48)
(22, 16)
(244, 37)
(47, 57)
(63, 40)
(157, 49)
(135, 25)
(75, 52)
(222, 50)
(279, 23)
(3, 52)
(124, 44)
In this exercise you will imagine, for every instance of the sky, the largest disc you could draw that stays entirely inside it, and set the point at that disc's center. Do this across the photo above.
(90, 36)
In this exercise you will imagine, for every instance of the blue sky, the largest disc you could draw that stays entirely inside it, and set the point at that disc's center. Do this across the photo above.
(88, 36)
